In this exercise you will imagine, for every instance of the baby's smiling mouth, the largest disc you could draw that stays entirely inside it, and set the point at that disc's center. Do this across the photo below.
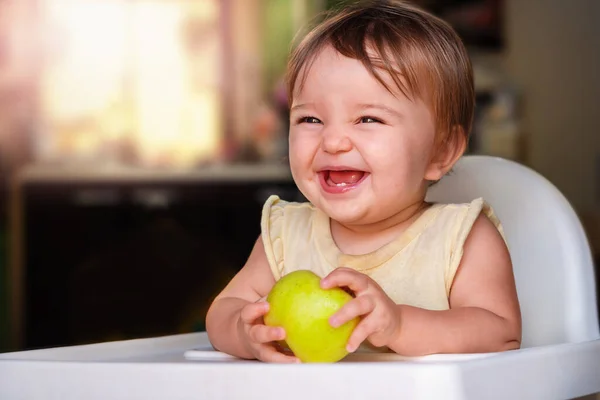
(342, 178)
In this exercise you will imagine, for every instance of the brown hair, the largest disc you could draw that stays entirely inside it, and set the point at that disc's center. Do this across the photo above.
(421, 53)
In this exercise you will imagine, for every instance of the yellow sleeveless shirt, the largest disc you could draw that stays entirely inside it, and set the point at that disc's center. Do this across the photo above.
(417, 268)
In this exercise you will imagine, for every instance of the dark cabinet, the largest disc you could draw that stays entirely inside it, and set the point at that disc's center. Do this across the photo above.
(105, 259)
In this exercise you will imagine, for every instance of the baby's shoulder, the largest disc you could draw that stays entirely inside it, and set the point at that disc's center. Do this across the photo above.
(463, 210)
(458, 219)
(275, 207)
(474, 205)
(283, 218)
(286, 229)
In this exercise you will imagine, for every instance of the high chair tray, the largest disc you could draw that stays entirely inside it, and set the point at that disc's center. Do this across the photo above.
(186, 367)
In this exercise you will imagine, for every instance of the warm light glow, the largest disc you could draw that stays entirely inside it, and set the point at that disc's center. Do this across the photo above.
(127, 71)
(87, 57)
(176, 121)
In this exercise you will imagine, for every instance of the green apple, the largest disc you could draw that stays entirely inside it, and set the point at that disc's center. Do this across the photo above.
(299, 305)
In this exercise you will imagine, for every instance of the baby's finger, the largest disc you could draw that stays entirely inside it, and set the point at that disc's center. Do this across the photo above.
(266, 334)
(253, 311)
(361, 305)
(346, 277)
(269, 353)
(363, 330)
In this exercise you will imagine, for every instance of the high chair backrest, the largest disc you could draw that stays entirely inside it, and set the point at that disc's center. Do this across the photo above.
(551, 256)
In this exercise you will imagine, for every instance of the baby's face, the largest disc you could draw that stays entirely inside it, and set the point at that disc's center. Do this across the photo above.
(358, 152)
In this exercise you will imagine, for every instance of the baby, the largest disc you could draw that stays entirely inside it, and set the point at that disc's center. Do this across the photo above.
(381, 105)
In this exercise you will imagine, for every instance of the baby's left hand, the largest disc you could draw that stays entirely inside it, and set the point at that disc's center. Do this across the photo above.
(380, 322)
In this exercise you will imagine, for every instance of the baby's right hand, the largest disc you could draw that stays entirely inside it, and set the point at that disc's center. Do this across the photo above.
(260, 339)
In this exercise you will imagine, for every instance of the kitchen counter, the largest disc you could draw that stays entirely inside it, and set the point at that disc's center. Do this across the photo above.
(215, 172)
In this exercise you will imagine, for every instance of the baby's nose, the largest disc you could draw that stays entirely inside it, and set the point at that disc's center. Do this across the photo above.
(335, 140)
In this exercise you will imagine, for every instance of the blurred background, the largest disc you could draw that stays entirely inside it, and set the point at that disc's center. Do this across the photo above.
(139, 138)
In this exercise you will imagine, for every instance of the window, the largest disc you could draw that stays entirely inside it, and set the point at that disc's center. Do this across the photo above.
(130, 81)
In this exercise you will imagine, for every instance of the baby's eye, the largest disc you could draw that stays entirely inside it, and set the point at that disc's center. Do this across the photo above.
(309, 120)
(369, 120)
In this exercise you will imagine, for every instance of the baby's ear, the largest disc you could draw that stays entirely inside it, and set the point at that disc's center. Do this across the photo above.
(446, 154)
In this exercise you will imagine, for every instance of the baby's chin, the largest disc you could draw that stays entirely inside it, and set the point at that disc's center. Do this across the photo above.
(348, 215)
(346, 211)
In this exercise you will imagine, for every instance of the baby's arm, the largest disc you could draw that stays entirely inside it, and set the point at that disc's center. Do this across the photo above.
(230, 319)
(484, 313)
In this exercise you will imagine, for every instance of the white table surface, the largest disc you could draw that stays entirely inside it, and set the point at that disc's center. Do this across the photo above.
(156, 368)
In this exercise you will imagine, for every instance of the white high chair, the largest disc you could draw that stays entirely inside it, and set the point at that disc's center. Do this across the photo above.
(551, 257)
(560, 358)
